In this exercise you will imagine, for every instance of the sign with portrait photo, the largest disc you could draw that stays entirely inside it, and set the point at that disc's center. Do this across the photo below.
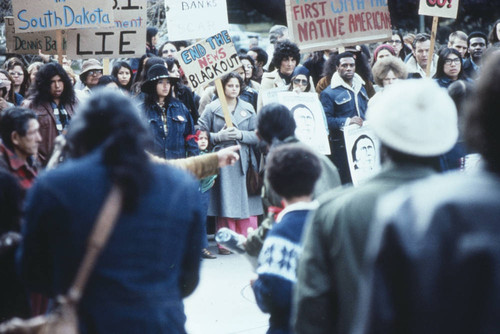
(309, 118)
(363, 152)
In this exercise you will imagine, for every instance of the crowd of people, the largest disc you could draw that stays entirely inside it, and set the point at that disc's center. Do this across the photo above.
(409, 250)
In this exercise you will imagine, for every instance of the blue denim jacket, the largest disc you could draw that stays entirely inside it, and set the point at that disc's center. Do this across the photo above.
(180, 125)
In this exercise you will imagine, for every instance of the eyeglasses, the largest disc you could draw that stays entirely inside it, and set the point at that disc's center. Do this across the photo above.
(14, 74)
(95, 72)
(449, 61)
(302, 82)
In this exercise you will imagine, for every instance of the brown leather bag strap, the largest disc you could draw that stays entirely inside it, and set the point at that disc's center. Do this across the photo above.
(108, 215)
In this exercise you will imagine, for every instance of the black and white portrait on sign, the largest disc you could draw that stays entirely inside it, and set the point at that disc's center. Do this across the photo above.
(309, 118)
(362, 148)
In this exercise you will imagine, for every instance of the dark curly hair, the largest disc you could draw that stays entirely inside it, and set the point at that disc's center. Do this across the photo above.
(40, 90)
(110, 120)
(283, 50)
(292, 170)
(483, 116)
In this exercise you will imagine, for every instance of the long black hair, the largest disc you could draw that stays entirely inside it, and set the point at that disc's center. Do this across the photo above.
(13, 62)
(116, 68)
(440, 64)
(40, 90)
(111, 121)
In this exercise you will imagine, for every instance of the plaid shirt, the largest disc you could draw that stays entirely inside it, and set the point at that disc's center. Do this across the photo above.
(24, 171)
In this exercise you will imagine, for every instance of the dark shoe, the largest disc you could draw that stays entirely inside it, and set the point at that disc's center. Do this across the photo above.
(223, 251)
(206, 254)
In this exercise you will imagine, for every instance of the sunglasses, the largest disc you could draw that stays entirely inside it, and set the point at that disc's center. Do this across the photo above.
(302, 82)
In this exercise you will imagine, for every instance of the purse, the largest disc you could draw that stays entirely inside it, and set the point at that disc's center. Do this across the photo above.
(64, 318)
(254, 178)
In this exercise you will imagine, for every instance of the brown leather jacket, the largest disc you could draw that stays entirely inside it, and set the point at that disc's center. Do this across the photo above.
(48, 129)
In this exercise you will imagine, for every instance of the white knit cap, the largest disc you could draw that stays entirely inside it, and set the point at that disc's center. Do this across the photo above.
(415, 117)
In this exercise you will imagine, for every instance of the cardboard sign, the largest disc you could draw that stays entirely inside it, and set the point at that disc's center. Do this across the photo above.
(30, 43)
(439, 8)
(318, 25)
(195, 19)
(309, 118)
(363, 152)
(39, 15)
(126, 39)
(209, 59)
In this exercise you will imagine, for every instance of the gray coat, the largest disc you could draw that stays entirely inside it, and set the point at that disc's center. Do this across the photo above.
(229, 196)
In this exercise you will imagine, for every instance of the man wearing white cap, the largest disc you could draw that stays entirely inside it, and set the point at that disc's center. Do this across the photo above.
(433, 257)
(416, 122)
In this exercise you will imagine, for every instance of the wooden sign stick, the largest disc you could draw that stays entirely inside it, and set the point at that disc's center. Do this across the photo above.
(223, 102)
(435, 21)
(105, 66)
(59, 45)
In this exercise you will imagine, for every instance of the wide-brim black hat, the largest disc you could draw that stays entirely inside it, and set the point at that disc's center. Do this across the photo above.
(155, 73)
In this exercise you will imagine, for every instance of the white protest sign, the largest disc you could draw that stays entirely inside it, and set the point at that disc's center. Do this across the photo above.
(126, 39)
(195, 19)
(31, 42)
(39, 15)
(209, 59)
(363, 152)
(309, 118)
(439, 8)
(319, 25)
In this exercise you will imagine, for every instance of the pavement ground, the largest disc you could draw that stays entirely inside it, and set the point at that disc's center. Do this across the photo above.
(223, 302)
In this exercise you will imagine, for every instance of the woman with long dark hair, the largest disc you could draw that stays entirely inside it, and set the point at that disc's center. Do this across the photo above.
(18, 72)
(123, 72)
(151, 261)
(449, 67)
(230, 201)
(494, 35)
(169, 119)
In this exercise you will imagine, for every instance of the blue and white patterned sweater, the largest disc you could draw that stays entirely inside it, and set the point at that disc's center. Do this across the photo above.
(277, 268)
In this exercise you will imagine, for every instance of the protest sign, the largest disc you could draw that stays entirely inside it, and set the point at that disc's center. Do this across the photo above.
(30, 43)
(126, 39)
(309, 118)
(439, 8)
(363, 152)
(318, 25)
(209, 59)
(195, 19)
(42, 15)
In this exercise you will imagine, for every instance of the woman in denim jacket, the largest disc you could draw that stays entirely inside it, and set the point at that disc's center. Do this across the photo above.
(169, 120)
